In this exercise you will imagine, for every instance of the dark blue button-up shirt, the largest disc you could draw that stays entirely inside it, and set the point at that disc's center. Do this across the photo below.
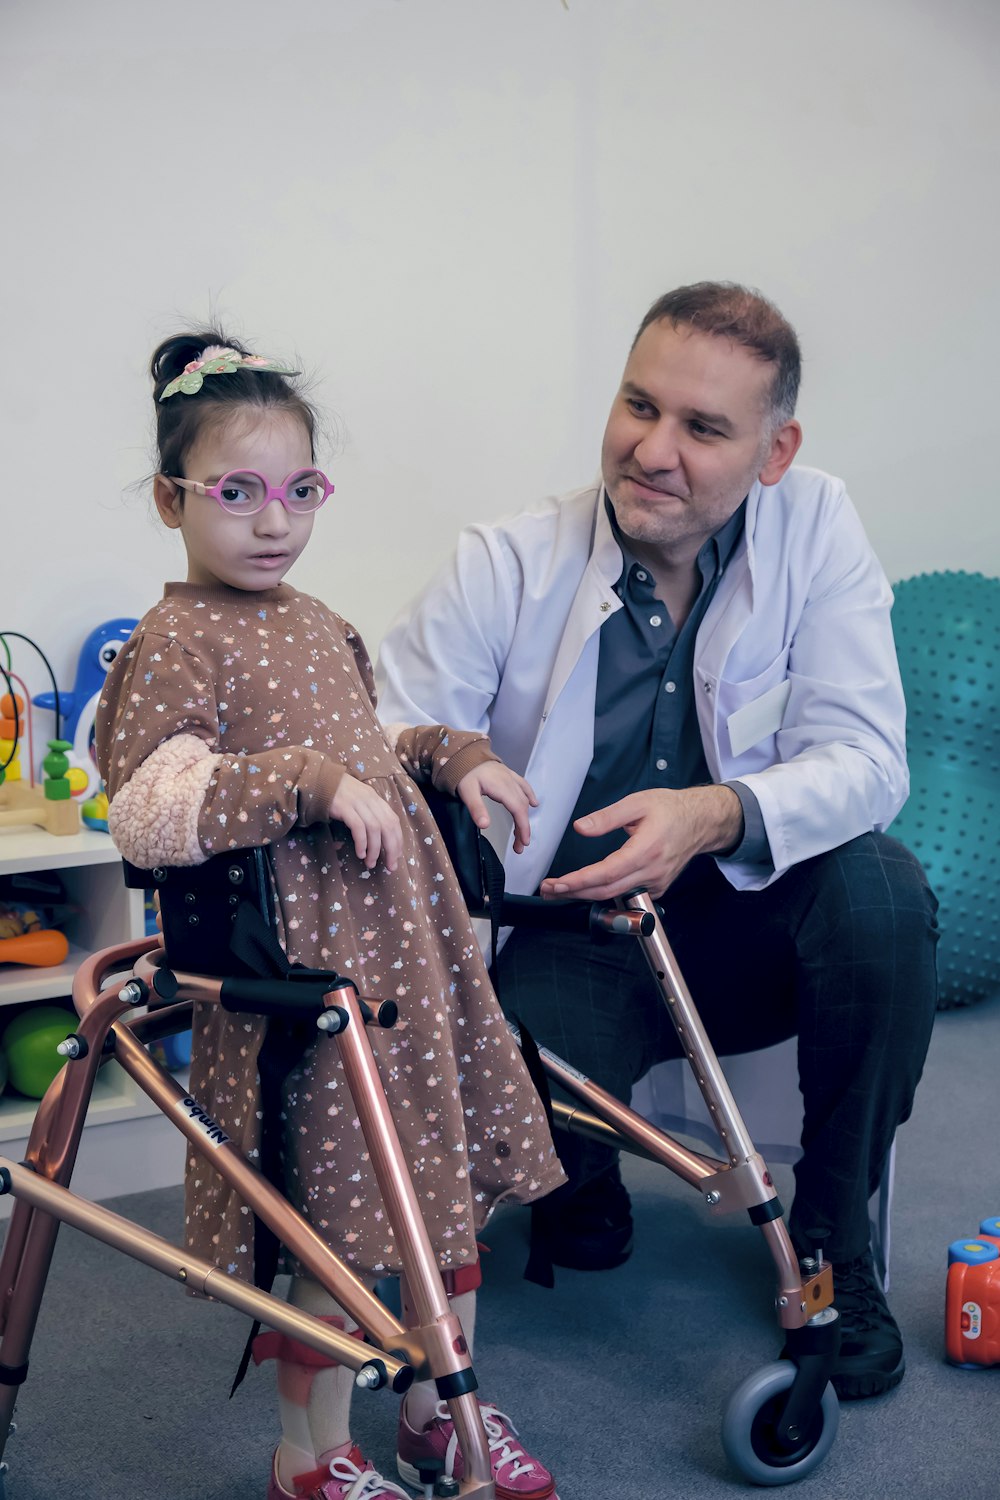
(646, 730)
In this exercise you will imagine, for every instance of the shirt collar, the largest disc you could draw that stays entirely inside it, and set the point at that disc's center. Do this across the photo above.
(714, 555)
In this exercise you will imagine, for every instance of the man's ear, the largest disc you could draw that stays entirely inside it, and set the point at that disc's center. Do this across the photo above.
(169, 500)
(785, 443)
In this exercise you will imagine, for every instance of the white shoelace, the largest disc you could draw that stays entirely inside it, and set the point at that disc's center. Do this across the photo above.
(502, 1451)
(368, 1485)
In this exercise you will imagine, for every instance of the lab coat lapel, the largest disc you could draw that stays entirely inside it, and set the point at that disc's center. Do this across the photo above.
(595, 600)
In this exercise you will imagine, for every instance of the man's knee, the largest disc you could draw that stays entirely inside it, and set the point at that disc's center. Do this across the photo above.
(876, 890)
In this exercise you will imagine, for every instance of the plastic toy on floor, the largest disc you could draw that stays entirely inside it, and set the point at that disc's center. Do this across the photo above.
(972, 1299)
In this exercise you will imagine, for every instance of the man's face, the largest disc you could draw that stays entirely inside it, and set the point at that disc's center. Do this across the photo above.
(688, 434)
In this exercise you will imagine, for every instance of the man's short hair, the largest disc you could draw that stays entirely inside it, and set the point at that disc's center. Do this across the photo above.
(727, 310)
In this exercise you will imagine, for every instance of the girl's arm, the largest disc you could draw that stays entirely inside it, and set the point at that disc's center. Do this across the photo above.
(175, 797)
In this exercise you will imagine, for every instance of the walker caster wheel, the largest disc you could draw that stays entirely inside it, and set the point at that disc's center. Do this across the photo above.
(749, 1428)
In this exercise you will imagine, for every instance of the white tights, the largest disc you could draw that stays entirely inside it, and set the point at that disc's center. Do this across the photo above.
(315, 1406)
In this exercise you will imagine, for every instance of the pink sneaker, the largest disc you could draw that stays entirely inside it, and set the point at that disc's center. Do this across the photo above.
(517, 1477)
(349, 1478)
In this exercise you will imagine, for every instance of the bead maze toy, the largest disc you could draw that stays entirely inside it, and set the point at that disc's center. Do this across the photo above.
(49, 806)
(972, 1299)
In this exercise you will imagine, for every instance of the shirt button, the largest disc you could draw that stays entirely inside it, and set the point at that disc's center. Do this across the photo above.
(661, 765)
(655, 620)
(670, 687)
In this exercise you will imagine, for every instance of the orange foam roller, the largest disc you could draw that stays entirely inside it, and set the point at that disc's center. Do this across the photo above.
(41, 948)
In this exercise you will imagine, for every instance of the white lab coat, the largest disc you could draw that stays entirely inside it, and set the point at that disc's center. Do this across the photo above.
(797, 687)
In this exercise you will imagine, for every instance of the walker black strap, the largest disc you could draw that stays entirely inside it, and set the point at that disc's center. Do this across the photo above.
(493, 884)
(256, 945)
(539, 1267)
(481, 876)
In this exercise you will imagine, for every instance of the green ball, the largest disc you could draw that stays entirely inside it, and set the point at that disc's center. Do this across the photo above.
(30, 1042)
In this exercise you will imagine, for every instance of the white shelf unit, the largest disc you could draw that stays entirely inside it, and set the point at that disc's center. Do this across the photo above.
(121, 1157)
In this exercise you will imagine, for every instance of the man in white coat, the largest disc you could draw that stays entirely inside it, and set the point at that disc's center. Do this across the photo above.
(692, 664)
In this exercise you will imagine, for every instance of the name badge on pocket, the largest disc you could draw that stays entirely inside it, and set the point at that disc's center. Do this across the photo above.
(758, 720)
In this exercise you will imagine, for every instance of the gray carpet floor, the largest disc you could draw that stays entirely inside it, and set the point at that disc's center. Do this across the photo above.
(618, 1379)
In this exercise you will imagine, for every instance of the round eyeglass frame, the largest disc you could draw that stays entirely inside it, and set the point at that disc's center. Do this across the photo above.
(270, 491)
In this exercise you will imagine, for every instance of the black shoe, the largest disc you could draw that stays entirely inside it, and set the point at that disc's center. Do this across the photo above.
(871, 1347)
(591, 1229)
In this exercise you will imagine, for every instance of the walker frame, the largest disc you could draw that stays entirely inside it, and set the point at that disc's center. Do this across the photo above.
(779, 1424)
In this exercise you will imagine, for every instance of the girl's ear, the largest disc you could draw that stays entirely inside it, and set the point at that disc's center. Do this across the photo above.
(169, 500)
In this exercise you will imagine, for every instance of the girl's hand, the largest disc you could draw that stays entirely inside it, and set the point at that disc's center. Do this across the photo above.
(494, 779)
(372, 824)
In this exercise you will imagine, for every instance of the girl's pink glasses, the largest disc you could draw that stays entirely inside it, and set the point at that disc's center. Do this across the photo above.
(244, 492)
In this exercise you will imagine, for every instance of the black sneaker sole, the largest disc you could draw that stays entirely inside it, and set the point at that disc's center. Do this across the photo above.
(581, 1256)
(862, 1386)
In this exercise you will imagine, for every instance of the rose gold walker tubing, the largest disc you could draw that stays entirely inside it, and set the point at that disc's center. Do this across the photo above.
(436, 1346)
(741, 1182)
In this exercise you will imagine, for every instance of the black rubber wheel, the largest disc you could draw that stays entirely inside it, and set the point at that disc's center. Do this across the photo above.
(749, 1428)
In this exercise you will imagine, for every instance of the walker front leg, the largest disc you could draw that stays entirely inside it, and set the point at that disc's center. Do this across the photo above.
(51, 1154)
(440, 1332)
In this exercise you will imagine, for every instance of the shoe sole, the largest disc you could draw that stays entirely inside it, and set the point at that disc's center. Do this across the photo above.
(409, 1475)
(862, 1387)
(608, 1263)
(575, 1257)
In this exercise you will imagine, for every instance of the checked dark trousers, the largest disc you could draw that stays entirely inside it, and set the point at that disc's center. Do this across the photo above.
(840, 950)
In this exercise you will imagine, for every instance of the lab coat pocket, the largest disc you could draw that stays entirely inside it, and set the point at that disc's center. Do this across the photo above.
(760, 718)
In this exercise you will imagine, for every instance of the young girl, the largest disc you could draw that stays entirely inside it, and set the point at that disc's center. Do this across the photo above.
(242, 713)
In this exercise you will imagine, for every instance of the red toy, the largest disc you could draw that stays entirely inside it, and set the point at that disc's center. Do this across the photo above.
(972, 1299)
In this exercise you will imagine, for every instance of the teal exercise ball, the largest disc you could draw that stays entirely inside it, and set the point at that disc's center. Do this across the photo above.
(947, 630)
(30, 1042)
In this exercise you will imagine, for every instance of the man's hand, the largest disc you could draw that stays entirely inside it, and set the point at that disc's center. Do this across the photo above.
(372, 824)
(665, 830)
(494, 779)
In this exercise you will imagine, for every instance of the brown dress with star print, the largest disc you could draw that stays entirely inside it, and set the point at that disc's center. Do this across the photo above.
(227, 722)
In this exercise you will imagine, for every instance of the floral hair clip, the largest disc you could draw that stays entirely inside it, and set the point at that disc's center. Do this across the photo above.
(217, 360)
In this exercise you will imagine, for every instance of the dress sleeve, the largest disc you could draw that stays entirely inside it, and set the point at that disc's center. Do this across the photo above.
(175, 797)
(362, 660)
(435, 753)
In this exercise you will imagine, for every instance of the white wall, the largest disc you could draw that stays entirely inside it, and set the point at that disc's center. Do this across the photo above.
(455, 212)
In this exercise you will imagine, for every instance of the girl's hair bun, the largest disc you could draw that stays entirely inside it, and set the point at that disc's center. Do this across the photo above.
(171, 357)
(183, 416)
